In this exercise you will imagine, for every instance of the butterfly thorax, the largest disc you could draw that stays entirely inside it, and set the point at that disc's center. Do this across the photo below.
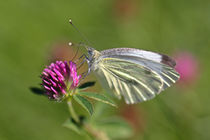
(93, 56)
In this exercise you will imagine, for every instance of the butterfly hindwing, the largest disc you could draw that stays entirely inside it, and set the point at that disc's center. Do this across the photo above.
(134, 82)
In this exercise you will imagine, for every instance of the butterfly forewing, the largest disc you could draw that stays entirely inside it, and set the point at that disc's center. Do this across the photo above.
(162, 64)
(148, 55)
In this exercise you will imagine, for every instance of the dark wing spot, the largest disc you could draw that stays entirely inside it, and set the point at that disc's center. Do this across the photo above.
(168, 61)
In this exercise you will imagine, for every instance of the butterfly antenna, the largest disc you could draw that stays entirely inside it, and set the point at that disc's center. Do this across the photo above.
(82, 35)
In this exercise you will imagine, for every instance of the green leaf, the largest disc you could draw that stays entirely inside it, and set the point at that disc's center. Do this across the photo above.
(116, 128)
(84, 103)
(71, 124)
(98, 97)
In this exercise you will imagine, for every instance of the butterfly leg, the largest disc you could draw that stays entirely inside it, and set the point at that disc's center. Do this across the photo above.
(82, 56)
(84, 74)
(80, 64)
(88, 71)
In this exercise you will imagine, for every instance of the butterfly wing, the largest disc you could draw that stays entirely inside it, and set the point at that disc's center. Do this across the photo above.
(136, 78)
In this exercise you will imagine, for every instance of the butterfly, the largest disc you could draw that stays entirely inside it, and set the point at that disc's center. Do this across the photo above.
(137, 75)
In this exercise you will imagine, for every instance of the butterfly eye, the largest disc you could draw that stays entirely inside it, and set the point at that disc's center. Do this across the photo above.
(90, 51)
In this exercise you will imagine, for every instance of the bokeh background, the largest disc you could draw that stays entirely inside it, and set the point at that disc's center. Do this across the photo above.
(32, 32)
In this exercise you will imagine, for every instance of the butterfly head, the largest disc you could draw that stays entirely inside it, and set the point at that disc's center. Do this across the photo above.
(90, 52)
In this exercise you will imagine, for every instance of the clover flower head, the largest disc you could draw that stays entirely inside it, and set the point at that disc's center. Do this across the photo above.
(59, 79)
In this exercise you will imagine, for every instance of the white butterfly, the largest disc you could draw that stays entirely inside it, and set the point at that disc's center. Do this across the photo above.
(135, 74)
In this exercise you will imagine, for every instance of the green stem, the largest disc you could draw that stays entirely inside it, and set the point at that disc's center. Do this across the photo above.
(71, 110)
(95, 133)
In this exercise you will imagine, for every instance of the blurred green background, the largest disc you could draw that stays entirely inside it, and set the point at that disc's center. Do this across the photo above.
(30, 28)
